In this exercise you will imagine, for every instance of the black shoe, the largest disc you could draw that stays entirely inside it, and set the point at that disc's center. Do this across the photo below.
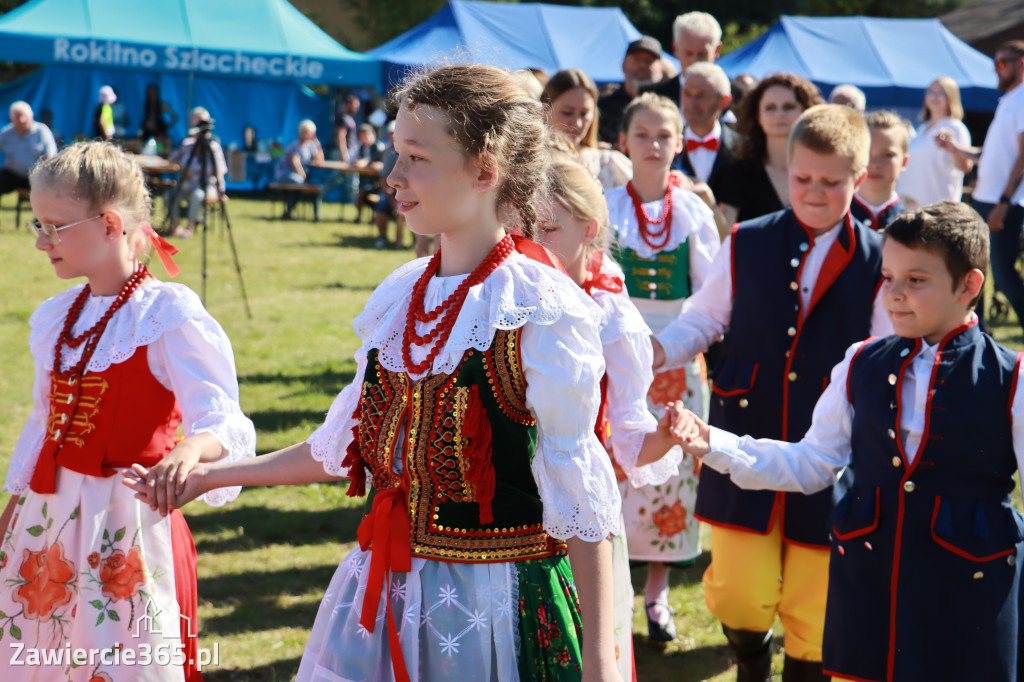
(753, 652)
(656, 632)
(794, 670)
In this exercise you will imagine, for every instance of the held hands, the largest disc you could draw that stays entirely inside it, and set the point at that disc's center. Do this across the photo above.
(170, 483)
(686, 429)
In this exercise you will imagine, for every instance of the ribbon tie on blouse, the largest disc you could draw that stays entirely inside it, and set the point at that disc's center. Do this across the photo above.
(693, 145)
(600, 280)
(385, 532)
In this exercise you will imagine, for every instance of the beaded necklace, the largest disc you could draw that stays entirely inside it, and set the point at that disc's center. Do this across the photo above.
(91, 336)
(448, 310)
(656, 239)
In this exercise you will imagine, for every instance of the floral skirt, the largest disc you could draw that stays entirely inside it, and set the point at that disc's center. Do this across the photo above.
(90, 583)
(622, 612)
(659, 518)
(455, 621)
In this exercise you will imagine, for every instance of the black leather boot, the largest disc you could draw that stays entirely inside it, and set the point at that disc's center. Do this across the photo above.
(753, 652)
(794, 670)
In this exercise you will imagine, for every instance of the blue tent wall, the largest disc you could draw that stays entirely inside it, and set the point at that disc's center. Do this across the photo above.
(515, 36)
(892, 60)
(275, 109)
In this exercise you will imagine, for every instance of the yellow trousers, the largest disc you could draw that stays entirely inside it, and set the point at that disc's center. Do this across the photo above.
(753, 577)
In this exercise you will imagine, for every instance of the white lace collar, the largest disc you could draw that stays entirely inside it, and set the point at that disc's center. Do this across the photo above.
(521, 290)
(627, 230)
(152, 310)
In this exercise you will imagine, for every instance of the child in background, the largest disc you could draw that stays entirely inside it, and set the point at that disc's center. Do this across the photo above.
(926, 547)
(120, 362)
(793, 289)
(573, 224)
(665, 239)
(876, 203)
(476, 389)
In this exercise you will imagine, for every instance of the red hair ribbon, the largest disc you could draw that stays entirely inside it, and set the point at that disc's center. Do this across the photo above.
(164, 250)
(600, 280)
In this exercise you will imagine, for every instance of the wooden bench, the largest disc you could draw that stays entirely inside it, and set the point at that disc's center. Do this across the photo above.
(282, 190)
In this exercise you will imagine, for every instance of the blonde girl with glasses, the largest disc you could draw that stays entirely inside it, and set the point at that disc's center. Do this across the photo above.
(121, 362)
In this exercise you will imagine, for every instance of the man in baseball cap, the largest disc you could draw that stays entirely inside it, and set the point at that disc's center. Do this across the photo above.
(641, 66)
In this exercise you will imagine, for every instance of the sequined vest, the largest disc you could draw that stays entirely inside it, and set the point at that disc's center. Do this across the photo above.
(665, 277)
(468, 443)
(102, 421)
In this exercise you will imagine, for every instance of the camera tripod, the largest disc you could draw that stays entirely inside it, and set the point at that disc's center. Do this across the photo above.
(202, 135)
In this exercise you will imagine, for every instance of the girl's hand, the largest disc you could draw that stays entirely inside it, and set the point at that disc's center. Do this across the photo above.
(688, 430)
(142, 481)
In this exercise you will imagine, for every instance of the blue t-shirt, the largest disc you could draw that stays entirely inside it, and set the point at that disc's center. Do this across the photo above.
(22, 151)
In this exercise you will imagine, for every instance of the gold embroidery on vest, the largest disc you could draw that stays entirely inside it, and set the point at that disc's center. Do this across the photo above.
(73, 407)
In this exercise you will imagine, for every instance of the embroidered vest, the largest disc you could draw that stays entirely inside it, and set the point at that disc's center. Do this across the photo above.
(778, 358)
(665, 277)
(106, 420)
(917, 544)
(876, 222)
(468, 443)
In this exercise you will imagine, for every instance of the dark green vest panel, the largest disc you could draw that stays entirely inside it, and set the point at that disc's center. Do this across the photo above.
(665, 277)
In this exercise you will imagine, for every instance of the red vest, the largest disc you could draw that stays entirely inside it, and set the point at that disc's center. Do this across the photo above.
(102, 421)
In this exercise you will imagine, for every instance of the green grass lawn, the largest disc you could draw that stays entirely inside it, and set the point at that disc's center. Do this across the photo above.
(265, 559)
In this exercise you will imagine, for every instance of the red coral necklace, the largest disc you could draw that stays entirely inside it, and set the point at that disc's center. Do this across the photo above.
(656, 239)
(448, 310)
(91, 336)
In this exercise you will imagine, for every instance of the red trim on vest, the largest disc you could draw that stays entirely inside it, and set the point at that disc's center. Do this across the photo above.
(849, 370)
(874, 215)
(956, 550)
(839, 676)
(862, 531)
(835, 262)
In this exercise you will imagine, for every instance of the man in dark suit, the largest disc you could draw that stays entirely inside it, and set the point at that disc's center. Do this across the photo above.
(640, 67)
(697, 38)
(708, 146)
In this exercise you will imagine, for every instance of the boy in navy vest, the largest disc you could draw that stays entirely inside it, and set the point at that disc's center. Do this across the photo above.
(876, 202)
(926, 549)
(794, 289)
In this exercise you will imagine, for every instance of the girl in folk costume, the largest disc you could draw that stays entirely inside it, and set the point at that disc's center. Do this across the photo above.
(573, 223)
(665, 239)
(475, 395)
(120, 363)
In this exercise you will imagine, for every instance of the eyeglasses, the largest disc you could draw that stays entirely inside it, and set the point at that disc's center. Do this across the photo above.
(52, 232)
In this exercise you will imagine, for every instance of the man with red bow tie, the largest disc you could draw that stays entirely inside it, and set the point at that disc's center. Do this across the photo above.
(707, 151)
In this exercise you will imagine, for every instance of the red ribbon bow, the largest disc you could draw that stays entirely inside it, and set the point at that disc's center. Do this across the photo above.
(164, 250)
(710, 144)
(385, 532)
(600, 280)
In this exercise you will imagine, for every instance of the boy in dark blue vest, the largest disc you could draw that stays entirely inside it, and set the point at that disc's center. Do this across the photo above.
(794, 289)
(926, 549)
(876, 202)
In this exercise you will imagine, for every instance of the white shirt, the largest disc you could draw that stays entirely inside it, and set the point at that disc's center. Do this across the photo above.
(1001, 149)
(188, 353)
(706, 314)
(930, 174)
(703, 159)
(816, 461)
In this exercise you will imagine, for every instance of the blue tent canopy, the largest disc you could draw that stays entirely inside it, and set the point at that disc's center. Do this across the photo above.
(258, 39)
(515, 36)
(892, 60)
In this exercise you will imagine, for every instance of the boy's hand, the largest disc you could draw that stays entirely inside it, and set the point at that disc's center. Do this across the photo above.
(702, 190)
(689, 430)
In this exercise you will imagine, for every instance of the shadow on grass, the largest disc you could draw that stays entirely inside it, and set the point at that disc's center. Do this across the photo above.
(278, 671)
(326, 377)
(260, 608)
(655, 664)
(346, 287)
(246, 528)
(271, 421)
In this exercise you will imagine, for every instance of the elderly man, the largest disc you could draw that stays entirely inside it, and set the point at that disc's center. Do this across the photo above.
(999, 195)
(641, 66)
(22, 143)
(849, 95)
(708, 146)
(698, 38)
